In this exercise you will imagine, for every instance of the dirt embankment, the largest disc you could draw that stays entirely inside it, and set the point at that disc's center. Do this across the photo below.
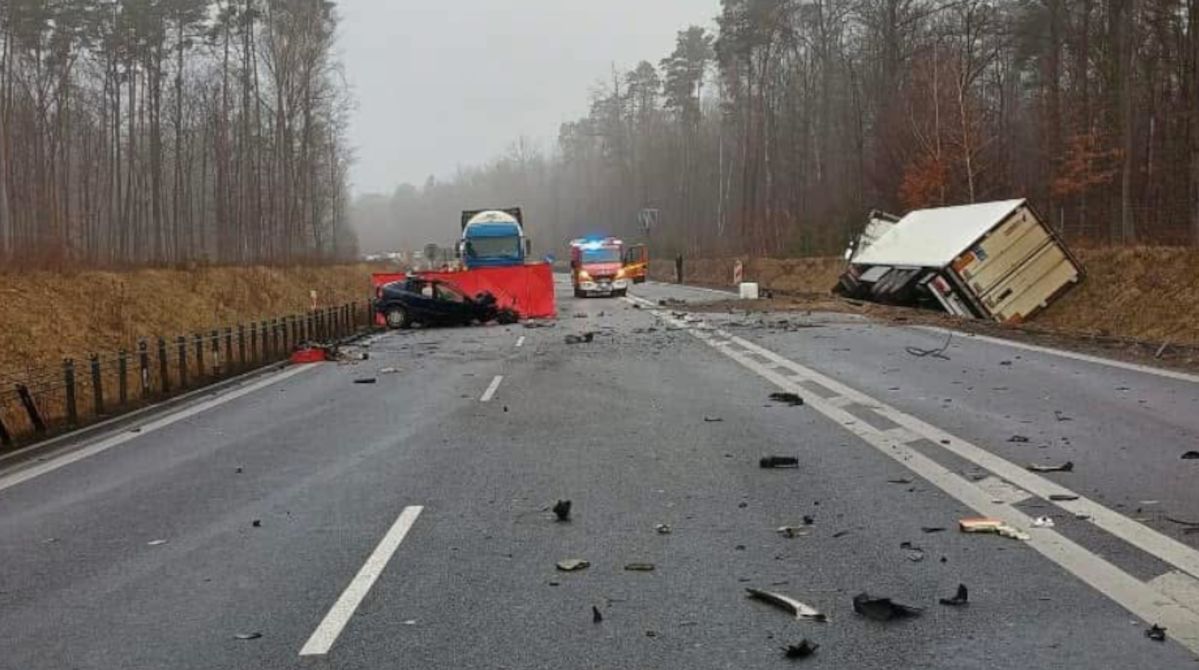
(1142, 293)
(48, 316)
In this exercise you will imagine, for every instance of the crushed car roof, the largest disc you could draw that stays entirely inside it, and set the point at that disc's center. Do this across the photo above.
(934, 237)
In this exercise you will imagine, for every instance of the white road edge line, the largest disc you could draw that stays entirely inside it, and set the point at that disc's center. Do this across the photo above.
(26, 474)
(330, 628)
(492, 388)
(1177, 611)
(1098, 360)
(520, 341)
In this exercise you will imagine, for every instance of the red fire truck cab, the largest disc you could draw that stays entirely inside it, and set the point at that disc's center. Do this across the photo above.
(597, 267)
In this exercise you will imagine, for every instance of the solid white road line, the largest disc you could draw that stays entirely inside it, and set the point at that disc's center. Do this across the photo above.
(1160, 372)
(339, 615)
(492, 388)
(520, 341)
(1145, 600)
(26, 474)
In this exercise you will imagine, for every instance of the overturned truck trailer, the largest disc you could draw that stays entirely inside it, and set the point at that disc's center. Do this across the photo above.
(995, 260)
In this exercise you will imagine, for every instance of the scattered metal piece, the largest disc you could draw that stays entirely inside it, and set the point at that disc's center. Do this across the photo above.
(1060, 416)
(1068, 466)
(800, 610)
(663, 529)
(791, 399)
(959, 599)
(1063, 497)
(1156, 633)
(883, 609)
(596, 616)
(1043, 522)
(562, 510)
(155, 543)
(585, 338)
(366, 380)
(993, 526)
(1018, 439)
(573, 565)
(389, 371)
(248, 636)
(791, 532)
(804, 649)
(639, 567)
(774, 462)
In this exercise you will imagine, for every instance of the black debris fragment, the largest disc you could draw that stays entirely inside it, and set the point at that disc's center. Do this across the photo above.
(802, 650)
(1190, 456)
(1156, 633)
(366, 380)
(939, 352)
(800, 610)
(596, 616)
(712, 419)
(787, 398)
(1018, 439)
(585, 338)
(774, 462)
(1005, 363)
(915, 554)
(1063, 497)
(239, 471)
(562, 510)
(1068, 466)
(840, 534)
(808, 520)
(248, 636)
(932, 529)
(257, 523)
(900, 480)
(639, 567)
(959, 599)
(1060, 416)
(882, 609)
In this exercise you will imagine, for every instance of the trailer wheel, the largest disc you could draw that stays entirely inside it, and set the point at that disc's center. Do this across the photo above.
(397, 317)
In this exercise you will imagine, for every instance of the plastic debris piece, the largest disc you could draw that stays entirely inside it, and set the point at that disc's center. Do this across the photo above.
(915, 554)
(791, 532)
(639, 567)
(774, 462)
(573, 565)
(1068, 466)
(883, 609)
(993, 526)
(366, 380)
(663, 529)
(155, 543)
(804, 649)
(1156, 633)
(791, 399)
(248, 636)
(959, 599)
(389, 371)
(1043, 522)
(596, 615)
(1063, 497)
(800, 610)
(562, 510)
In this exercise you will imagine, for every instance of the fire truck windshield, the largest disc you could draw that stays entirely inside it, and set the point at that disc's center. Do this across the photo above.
(601, 255)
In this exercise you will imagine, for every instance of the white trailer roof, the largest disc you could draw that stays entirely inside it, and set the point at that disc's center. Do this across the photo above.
(934, 237)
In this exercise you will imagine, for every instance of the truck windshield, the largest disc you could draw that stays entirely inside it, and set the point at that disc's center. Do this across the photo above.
(601, 255)
(493, 247)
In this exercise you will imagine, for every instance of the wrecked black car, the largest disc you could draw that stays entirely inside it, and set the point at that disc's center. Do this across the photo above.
(432, 302)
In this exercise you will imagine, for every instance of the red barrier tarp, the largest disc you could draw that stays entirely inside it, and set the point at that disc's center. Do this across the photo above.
(529, 289)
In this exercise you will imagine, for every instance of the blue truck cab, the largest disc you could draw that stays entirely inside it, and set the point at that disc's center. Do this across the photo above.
(493, 238)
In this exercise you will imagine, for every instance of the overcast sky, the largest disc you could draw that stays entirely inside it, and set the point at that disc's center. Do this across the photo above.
(444, 83)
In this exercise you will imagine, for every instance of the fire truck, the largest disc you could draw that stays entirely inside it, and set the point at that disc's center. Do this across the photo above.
(597, 267)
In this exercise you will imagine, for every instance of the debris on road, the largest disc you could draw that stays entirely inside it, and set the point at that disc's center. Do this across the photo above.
(639, 567)
(1060, 416)
(155, 543)
(562, 510)
(1043, 522)
(883, 609)
(914, 553)
(992, 526)
(389, 371)
(1190, 456)
(596, 616)
(932, 529)
(939, 352)
(791, 399)
(800, 610)
(1156, 633)
(900, 480)
(1018, 439)
(366, 380)
(959, 599)
(248, 636)
(256, 523)
(776, 462)
(1068, 466)
(663, 529)
(573, 565)
(585, 338)
(1063, 497)
(538, 324)
(840, 534)
(791, 532)
(713, 419)
(804, 649)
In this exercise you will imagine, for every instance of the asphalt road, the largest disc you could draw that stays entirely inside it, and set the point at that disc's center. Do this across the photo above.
(406, 523)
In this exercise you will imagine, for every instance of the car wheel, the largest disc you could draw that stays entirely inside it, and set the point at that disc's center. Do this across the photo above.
(397, 317)
(621, 293)
(580, 294)
(507, 317)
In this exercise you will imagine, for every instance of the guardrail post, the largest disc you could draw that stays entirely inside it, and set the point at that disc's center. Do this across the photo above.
(370, 314)
(143, 360)
(122, 373)
(254, 341)
(31, 408)
(216, 353)
(68, 379)
(5, 436)
(241, 345)
(181, 344)
(97, 386)
(295, 330)
(228, 349)
(198, 340)
(164, 368)
(275, 348)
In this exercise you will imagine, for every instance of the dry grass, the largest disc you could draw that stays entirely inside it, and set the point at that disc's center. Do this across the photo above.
(48, 316)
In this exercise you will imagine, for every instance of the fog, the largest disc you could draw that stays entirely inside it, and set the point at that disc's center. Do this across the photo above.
(443, 85)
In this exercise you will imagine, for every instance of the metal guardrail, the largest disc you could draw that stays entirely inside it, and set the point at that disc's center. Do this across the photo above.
(40, 402)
